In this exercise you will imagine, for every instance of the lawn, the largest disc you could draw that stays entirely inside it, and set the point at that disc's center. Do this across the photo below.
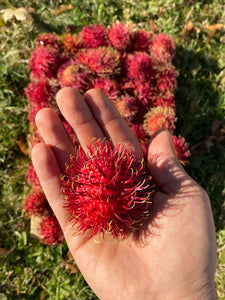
(31, 270)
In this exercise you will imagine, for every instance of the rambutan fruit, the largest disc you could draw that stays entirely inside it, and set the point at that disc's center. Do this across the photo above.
(108, 86)
(94, 36)
(51, 231)
(39, 92)
(181, 149)
(166, 81)
(49, 40)
(106, 190)
(35, 203)
(145, 92)
(119, 36)
(163, 48)
(127, 107)
(75, 75)
(104, 61)
(140, 66)
(142, 136)
(164, 100)
(72, 43)
(32, 178)
(44, 63)
(158, 118)
(70, 131)
(141, 40)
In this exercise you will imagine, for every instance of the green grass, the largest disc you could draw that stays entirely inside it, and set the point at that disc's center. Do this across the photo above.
(31, 270)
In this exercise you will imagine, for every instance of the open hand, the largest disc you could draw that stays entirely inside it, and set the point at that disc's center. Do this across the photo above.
(175, 257)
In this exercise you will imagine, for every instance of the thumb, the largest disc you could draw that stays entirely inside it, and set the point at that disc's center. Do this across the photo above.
(164, 165)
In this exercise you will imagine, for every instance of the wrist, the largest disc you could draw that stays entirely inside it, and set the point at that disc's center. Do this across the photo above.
(206, 293)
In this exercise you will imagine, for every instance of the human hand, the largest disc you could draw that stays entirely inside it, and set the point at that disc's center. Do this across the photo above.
(175, 257)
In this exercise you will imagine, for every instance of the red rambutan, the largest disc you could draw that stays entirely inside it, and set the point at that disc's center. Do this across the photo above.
(166, 81)
(142, 136)
(51, 231)
(181, 149)
(72, 43)
(140, 66)
(164, 100)
(44, 63)
(107, 86)
(49, 40)
(75, 75)
(141, 40)
(32, 178)
(163, 48)
(119, 36)
(104, 61)
(159, 117)
(39, 92)
(70, 131)
(36, 203)
(94, 36)
(106, 190)
(145, 92)
(127, 107)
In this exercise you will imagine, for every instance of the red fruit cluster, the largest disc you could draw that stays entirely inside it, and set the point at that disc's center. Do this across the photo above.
(107, 190)
(132, 66)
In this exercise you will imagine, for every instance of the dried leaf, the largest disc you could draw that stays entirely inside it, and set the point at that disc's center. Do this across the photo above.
(20, 14)
(212, 30)
(63, 8)
(69, 264)
(189, 27)
(153, 27)
(69, 255)
(222, 80)
(22, 146)
(71, 268)
(3, 251)
(34, 226)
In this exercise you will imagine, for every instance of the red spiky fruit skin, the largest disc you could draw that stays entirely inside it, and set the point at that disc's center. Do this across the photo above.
(107, 190)
(94, 36)
(44, 62)
(32, 177)
(158, 118)
(141, 40)
(51, 231)
(181, 149)
(119, 36)
(104, 61)
(140, 66)
(107, 86)
(49, 40)
(35, 203)
(71, 44)
(163, 48)
(39, 92)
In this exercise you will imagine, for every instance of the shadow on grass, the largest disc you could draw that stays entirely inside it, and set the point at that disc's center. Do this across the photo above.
(198, 100)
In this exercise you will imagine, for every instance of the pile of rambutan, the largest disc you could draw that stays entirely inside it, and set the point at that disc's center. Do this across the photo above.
(133, 67)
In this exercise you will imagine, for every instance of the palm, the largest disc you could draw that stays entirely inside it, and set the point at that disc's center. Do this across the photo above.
(157, 256)
(170, 250)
